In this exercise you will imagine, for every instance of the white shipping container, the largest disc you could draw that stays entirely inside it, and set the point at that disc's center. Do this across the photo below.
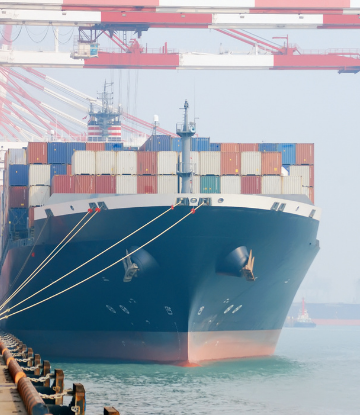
(83, 162)
(16, 156)
(251, 163)
(167, 162)
(126, 162)
(291, 185)
(210, 163)
(39, 175)
(195, 184)
(105, 162)
(195, 162)
(303, 171)
(271, 185)
(230, 184)
(167, 184)
(38, 195)
(126, 185)
(306, 191)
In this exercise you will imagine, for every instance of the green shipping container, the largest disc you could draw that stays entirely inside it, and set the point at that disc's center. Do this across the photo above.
(210, 184)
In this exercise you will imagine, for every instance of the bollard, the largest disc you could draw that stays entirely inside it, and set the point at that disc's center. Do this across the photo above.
(58, 385)
(78, 401)
(109, 410)
(45, 371)
(32, 401)
(37, 362)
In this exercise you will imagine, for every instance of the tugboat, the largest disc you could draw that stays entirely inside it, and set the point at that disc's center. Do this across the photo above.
(303, 319)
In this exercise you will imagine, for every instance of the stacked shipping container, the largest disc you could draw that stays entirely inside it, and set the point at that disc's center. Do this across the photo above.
(32, 175)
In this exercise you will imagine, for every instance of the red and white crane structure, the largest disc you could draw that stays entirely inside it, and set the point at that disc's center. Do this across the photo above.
(109, 17)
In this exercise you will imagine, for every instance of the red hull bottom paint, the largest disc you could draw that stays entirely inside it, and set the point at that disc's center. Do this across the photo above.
(218, 345)
(335, 322)
(183, 349)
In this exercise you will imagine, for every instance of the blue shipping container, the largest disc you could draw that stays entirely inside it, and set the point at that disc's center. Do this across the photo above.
(18, 219)
(210, 184)
(57, 153)
(158, 143)
(200, 143)
(288, 153)
(71, 147)
(113, 146)
(267, 147)
(176, 144)
(215, 147)
(18, 175)
(57, 170)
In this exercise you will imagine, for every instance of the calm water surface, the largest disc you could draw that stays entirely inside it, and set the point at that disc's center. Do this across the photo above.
(314, 371)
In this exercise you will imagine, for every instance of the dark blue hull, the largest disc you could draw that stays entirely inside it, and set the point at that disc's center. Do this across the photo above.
(180, 309)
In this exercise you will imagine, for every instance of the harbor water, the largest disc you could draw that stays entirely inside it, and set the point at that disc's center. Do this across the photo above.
(313, 372)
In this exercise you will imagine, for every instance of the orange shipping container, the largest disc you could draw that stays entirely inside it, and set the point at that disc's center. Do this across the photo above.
(36, 153)
(304, 154)
(147, 162)
(312, 194)
(230, 164)
(84, 184)
(147, 184)
(68, 169)
(311, 176)
(248, 147)
(31, 217)
(95, 146)
(270, 163)
(230, 147)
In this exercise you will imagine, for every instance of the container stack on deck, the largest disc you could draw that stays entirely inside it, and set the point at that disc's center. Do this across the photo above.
(31, 175)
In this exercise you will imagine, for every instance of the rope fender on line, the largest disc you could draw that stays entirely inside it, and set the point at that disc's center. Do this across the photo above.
(192, 211)
(91, 259)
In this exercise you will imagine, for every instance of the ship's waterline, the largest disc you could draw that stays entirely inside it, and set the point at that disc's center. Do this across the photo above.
(157, 347)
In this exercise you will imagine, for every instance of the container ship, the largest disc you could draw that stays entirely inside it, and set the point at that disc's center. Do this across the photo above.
(183, 250)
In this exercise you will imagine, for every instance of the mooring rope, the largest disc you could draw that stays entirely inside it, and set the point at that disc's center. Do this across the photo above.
(104, 269)
(89, 260)
(48, 259)
(25, 262)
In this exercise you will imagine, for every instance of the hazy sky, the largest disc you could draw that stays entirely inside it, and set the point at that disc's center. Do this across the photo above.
(260, 106)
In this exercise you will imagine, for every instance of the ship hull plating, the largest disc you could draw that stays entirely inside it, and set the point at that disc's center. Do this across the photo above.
(178, 308)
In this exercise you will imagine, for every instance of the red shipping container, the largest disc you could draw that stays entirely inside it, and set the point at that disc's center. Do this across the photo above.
(84, 184)
(270, 163)
(248, 147)
(95, 146)
(311, 176)
(31, 217)
(251, 185)
(68, 169)
(63, 184)
(147, 162)
(36, 153)
(304, 154)
(147, 184)
(230, 147)
(105, 184)
(230, 164)
(18, 197)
